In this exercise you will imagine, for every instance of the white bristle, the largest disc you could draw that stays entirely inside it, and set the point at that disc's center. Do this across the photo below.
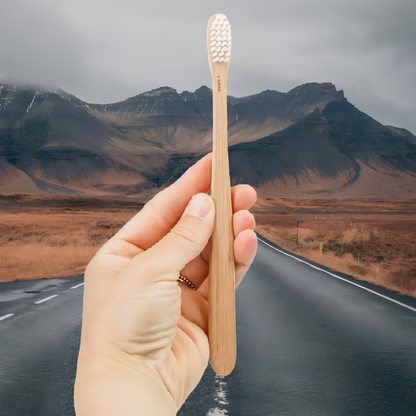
(220, 39)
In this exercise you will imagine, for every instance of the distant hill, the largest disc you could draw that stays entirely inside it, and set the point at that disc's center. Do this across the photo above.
(309, 142)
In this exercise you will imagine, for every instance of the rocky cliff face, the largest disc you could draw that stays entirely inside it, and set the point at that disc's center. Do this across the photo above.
(308, 141)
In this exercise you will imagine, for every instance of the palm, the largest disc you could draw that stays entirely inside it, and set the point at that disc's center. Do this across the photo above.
(180, 352)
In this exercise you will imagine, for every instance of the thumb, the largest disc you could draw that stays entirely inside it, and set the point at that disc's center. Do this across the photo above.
(184, 242)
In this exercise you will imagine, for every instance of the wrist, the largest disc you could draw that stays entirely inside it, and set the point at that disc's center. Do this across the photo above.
(107, 386)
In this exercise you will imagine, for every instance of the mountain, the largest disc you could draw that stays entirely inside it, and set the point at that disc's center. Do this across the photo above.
(337, 152)
(307, 142)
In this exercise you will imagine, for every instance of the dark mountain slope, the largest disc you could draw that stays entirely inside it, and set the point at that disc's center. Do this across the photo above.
(341, 145)
(359, 136)
(53, 138)
(308, 141)
(294, 152)
(183, 122)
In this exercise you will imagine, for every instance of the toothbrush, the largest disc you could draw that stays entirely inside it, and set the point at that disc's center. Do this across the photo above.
(221, 319)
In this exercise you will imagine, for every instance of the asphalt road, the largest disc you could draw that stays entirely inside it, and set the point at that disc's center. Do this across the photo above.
(39, 345)
(309, 343)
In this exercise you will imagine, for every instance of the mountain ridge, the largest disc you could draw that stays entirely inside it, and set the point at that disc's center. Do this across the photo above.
(307, 141)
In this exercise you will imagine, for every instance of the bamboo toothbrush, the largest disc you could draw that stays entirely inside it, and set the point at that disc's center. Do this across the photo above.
(221, 324)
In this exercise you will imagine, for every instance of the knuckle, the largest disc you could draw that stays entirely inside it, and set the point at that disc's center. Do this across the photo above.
(185, 234)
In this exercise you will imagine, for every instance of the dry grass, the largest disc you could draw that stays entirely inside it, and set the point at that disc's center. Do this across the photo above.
(384, 241)
(57, 236)
(26, 261)
(44, 242)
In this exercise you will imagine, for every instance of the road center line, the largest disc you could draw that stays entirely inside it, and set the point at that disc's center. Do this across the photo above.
(44, 300)
(6, 316)
(74, 287)
(341, 278)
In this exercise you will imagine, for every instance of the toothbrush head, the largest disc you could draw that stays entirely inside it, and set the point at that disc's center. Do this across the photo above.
(219, 39)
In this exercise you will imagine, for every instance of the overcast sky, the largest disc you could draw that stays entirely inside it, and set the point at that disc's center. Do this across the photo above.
(105, 51)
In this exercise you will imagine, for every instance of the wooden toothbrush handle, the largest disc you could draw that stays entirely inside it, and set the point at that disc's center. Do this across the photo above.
(221, 321)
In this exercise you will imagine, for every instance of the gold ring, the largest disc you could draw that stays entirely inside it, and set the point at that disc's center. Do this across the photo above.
(186, 282)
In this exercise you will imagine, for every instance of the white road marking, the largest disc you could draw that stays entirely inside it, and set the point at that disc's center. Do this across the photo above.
(39, 301)
(74, 287)
(6, 316)
(341, 278)
(220, 397)
(44, 300)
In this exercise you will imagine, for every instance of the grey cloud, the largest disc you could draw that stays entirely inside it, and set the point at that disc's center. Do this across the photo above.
(37, 44)
(104, 51)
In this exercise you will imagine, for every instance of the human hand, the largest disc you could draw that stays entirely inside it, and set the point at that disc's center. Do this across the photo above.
(144, 344)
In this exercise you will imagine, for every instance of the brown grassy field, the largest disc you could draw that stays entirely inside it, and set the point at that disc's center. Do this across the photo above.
(44, 237)
(370, 240)
(50, 236)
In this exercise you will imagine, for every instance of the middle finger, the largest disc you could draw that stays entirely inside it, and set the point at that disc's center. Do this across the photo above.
(243, 197)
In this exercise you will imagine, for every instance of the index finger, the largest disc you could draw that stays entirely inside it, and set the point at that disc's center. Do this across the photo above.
(164, 210)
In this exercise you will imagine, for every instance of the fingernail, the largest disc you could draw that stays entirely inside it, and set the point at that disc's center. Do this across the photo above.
(198, 206)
